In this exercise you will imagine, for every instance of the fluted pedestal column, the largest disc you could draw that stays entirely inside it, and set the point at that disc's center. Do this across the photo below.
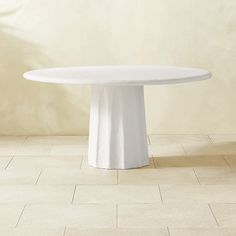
(117, 134)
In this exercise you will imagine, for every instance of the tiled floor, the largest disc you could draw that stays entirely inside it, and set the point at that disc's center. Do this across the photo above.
(48, 189)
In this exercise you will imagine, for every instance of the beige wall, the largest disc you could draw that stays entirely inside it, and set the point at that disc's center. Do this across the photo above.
(46, 33)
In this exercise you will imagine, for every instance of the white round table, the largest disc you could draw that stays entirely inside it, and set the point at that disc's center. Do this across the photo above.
(117, 133)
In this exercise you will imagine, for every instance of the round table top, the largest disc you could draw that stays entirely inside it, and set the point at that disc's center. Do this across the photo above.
(118, 75)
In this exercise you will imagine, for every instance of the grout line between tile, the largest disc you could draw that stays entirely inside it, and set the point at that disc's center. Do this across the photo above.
(226, 162)
(24, 141)
(72, 200)
(196, 176)
(168, 230)
(209, 205)
(185, 152)
(173, 134)
(20, 215)
(154, 162)
(160, 193)
(64, 232)
(78, 184)
(88, 204)
(38, 177)
(117, 177)
(117, 216)
(81, 163)
(8, 163)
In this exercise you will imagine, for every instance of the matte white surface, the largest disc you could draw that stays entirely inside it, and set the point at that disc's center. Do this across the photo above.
(117, 134)
(118, 75)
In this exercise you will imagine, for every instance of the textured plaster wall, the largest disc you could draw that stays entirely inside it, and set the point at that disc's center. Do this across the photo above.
(46, 33)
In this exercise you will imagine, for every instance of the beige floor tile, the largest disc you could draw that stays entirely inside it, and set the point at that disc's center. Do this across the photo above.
(166, 150)
(117, 194)
(4, 140)
(210, 149)
(8, 149)
(4, 161)
(23, 176)
(200, 149)
(78, 176)
(179, 139)
(83, 216)
(203, 231)
(160, 139)
(226, 148)
(27, 150)
(57, 140)
(216, 175)
(157, 176)
(190, 161)
(85, 164)
(36, 194)
(116, 232)
(198, 193)
(225, 214)
(9, 214)
(223, 138)
(41, 162)
(31, 231)
(69, 150)
(161, 215)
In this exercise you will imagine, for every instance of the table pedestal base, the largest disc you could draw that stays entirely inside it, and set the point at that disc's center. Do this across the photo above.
(117, 133)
